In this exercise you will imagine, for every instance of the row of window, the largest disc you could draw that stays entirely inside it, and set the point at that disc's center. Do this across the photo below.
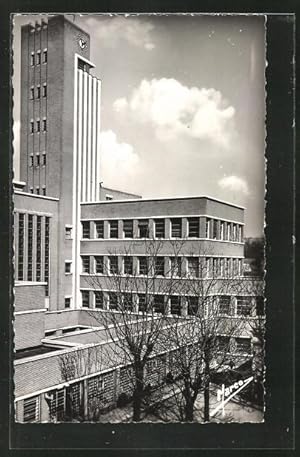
(38, 160)
(171, 266)
(161, 304)
(38, 92)
(35, 266)
(141, 228)
(40, 127)
(38, 57)
(37, 190)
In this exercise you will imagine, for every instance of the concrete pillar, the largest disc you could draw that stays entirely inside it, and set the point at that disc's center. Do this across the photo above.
(121, 264)
(184, 266)
(184, 227)
(135, 265)
(117, 384)
(167, 228)
(233, 306)
(92, 230)
(106, 230)
(105, 301)
(184, 306)
(167, 305)
(167, 267)
(218, 229)
(151, 228)
(202, 227)
(135, 228)
(120, 229)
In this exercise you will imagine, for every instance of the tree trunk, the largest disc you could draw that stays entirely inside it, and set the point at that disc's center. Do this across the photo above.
(206, 402)
(138, 394)
(189, 411)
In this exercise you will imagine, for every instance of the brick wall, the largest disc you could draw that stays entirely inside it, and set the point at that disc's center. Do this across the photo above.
(29, 297)
(28, 329)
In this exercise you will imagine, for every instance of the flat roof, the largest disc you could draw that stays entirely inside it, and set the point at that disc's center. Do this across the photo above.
(28, 194)
(139, 200)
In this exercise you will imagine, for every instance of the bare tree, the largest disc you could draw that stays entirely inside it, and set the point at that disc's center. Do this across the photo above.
(204, 342)
(133, 297)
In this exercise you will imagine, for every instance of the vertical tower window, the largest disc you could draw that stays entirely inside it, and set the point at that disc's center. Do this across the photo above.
(31, 160)
(38, 126)
(45, 56)
(32, 59)
(67, 302)
(47, 256)
(31, 127)
(39, 248)
(30, 247)
(38, 58)
(38, 160)
(31, 93)
(44, 159)
(31, 190)
(44, 125)
(45, 90)
(21, 246)
(44, 190)
(38, 92)
(37, 190)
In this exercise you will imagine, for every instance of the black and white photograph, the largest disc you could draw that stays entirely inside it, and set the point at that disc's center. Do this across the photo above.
(139, 218)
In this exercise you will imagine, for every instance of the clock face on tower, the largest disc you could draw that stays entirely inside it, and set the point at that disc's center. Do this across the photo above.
(82, 43)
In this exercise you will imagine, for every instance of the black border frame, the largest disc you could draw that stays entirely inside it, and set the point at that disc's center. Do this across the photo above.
(278, 431)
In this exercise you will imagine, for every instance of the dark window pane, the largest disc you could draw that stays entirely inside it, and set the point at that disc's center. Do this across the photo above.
(113, 229)
(128, 228)
(193, 227)
(176, 228)
(159, 225)
(143, 228)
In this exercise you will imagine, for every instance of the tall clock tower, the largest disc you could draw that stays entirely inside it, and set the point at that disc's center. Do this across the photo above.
(60, 126)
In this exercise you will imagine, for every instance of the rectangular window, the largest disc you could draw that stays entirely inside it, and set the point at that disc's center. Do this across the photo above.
(192, 305)
(68, 232)
(99, 264)
(38, 92)
(243, 345)
(67, 302)
(31, 409)
(175, 305)
(128, 265)
(32, 93)
(207, 228)
(32, 59)
(142, 303)
(44, 190)
(215, 229)
(143, 265)
(143, 228)
(57, 404)
(39, 248)
(38, 126)
(223, 343)
(85, 259)
(99, 225)
(38, 160)
(176, 228)
(38, 58)
(47, 253)
(128, 228)
(44, 90)
(224, 305)
(44, 125)
(21, 246)
(113, 229)
(113, 265)
(113, 301)
(68, 267)
(45, 56)
(244, 306)
(159, 225)
(31, 190)
(193, 227)
(31, 163)
(31, 127)
(44, 160)
(99, 300)
(85, 229)
(159, 304)
(159, 266)
(193, 267)
(30, 247)
(85, 298)
(127, 302)
(37, 190)
(175, 266)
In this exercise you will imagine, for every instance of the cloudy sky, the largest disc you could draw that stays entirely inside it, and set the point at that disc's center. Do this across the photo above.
(183, 105)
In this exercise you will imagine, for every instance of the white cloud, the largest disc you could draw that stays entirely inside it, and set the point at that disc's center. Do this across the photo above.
(174, 109)
(235, 184)
(119, 163)
(112, 30)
